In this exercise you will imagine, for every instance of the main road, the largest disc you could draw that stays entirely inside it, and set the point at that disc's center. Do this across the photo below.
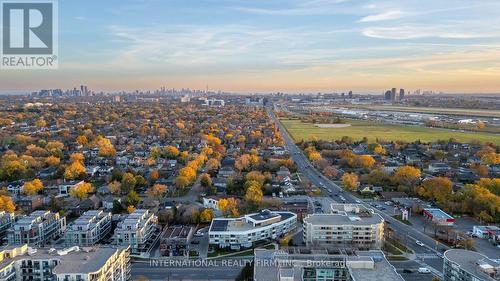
(304, 165)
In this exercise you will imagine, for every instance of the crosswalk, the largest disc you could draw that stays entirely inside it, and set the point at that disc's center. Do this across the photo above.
(427, 256)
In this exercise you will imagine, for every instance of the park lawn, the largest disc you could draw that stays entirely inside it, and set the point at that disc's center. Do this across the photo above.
(387, 132)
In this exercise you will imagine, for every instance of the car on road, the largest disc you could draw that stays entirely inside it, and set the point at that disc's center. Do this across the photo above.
(358, 201)
(424, 270)
(195, 242)
(406, 270)
(440, 255)
(419, 243)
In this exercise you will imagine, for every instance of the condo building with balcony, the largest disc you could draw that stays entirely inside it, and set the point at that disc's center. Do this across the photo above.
(249, 229)
(139, 230)
(6, 221)
(465, 265)
(19, 263)
(37, 229)
(89, 229)
(348, 225)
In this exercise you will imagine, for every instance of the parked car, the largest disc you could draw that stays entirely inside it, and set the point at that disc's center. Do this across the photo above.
(420, 243)
(424, 270)
(406, 270)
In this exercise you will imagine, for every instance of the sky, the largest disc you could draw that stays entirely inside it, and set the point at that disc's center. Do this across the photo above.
(273, 45)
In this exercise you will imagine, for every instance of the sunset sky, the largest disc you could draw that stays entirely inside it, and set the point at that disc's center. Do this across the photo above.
(263, 46)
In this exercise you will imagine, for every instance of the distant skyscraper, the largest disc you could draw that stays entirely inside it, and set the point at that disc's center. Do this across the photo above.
(350, 94)
(401, 94)
(393, 95)
(387, 95)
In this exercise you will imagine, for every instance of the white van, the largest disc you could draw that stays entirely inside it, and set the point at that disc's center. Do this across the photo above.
(423, 270)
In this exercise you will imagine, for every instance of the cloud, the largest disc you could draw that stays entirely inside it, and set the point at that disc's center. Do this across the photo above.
(415, 32)
(304, 8)
(389, 15)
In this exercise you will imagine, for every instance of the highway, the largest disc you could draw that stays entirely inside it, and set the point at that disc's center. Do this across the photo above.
(431, 246)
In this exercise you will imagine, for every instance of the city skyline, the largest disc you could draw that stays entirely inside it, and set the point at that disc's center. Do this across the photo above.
(261, 46)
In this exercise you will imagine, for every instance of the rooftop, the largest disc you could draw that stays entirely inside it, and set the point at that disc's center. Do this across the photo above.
(345, 214)
(71, 260)
(474, 263)
(371, 265)
(437, 213)
(251, 221)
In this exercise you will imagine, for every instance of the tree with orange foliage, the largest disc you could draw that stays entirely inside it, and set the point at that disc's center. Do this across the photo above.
(52, 161)
(157, 191)
(364, 161)
(243, 162)
(154, 175)
(115, 187)
(81, 140)
(171, 152)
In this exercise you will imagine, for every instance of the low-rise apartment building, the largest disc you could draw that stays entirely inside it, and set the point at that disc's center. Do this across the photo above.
(6, 221)
(279, 265)
(19, 263)
(89, 229)
(249, 229)
(464, 265)
(348, 225)
(37, 229)
(138, 230)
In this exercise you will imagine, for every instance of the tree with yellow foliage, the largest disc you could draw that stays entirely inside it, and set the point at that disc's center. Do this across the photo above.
(254, 194)
(181, 182)
(350, 181)
(212, 164)
(206, 215)
(229, 206)
(41, 123)
(438, 188)
(171, 152)
(212, 141)
(6, 203)
(406, 176)
(32, 187)
(130, 209)
(74, 170)
(81, 191)
(106, 148)
(54, 147)
(189, 173)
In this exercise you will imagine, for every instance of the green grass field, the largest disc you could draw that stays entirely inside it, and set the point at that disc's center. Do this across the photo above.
(373, 131)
